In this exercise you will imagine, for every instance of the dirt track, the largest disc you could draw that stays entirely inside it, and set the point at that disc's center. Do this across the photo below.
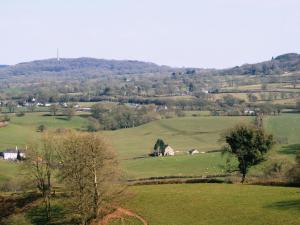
(120, 213)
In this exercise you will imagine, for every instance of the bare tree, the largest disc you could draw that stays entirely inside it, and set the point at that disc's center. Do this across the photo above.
(90, 173)
(53, 109)
(41, 162)
(69, 111)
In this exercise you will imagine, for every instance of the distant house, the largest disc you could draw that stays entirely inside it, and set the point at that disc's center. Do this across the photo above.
(166, 151)
(12, 154)
(193, 151)
(249, 112)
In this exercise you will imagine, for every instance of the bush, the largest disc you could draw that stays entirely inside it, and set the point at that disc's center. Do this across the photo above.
(18, 219)
(179, 113)
(277, 168)
(294, 173)
(93, 125)
(41, 128)
(20, 114)
(16, 184)
(5, 118)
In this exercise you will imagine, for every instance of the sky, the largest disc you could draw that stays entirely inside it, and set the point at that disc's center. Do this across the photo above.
(181, 33)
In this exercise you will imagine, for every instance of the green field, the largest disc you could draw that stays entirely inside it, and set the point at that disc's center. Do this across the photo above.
(217, 204)
(23, 130)
(181, 134)
(201, 132)
(7, 170)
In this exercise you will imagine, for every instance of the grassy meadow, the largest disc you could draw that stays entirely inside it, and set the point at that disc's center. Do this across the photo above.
(201, 132)
(218, 204)
(181, 134)
(23, 130)
(194, 204)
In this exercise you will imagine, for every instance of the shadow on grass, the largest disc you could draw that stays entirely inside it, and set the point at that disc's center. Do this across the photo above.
(59, 216)
(290, 149)
(62, 118)
(286, 205)
(84, 115)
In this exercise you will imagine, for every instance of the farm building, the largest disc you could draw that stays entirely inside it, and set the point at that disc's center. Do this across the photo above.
(169, 151)
(12, 154)
(166, 151)
(193, 151)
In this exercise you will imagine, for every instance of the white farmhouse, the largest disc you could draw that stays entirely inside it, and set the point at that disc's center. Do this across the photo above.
(193, 151)
(169, 151)
(12, 154)
(166, 151)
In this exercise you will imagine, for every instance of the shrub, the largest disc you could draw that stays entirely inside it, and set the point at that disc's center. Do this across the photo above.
(276, 168)
(294, 173)
(18, 219)
(20, 114)
(41, 128)
(179, 113)
(93, 125)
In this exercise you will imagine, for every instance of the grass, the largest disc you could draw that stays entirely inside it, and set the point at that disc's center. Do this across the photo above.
(218, 204)
(7, 170)
(22, 130)
(202, 164)
(201, 132)
(180, 133)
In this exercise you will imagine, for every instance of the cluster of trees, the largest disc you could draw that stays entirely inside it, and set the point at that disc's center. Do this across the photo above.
(280, 64)
(121, 116)
(84, 165)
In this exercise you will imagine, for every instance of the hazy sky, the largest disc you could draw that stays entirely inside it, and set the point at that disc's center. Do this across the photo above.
(199, 33)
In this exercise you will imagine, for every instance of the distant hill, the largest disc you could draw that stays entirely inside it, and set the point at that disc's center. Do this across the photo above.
(284, 63)
(81, 66)
(1, 66)
(91, 67)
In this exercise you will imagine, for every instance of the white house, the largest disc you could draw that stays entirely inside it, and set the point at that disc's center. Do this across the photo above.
(169, 151)
(249, 112)
(11, 154)
(193, 151)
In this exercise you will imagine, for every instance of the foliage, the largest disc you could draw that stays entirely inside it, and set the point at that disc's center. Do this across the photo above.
(294, 173)
(41, 128)
(93, 125)
(122, 116)
(69, 111)
(159, 147)
(53, 109)
(20, 114)
(17, 219)
(249, 145)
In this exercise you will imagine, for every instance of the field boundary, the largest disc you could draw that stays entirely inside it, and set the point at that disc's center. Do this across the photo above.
(179, 180)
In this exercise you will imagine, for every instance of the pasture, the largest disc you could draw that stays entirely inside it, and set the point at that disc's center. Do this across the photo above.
(23, 130)
(201, 132)
(218, 204)
(182, 134)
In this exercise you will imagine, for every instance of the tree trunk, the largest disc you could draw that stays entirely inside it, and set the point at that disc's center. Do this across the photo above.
(96, 194)
(243, 178)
